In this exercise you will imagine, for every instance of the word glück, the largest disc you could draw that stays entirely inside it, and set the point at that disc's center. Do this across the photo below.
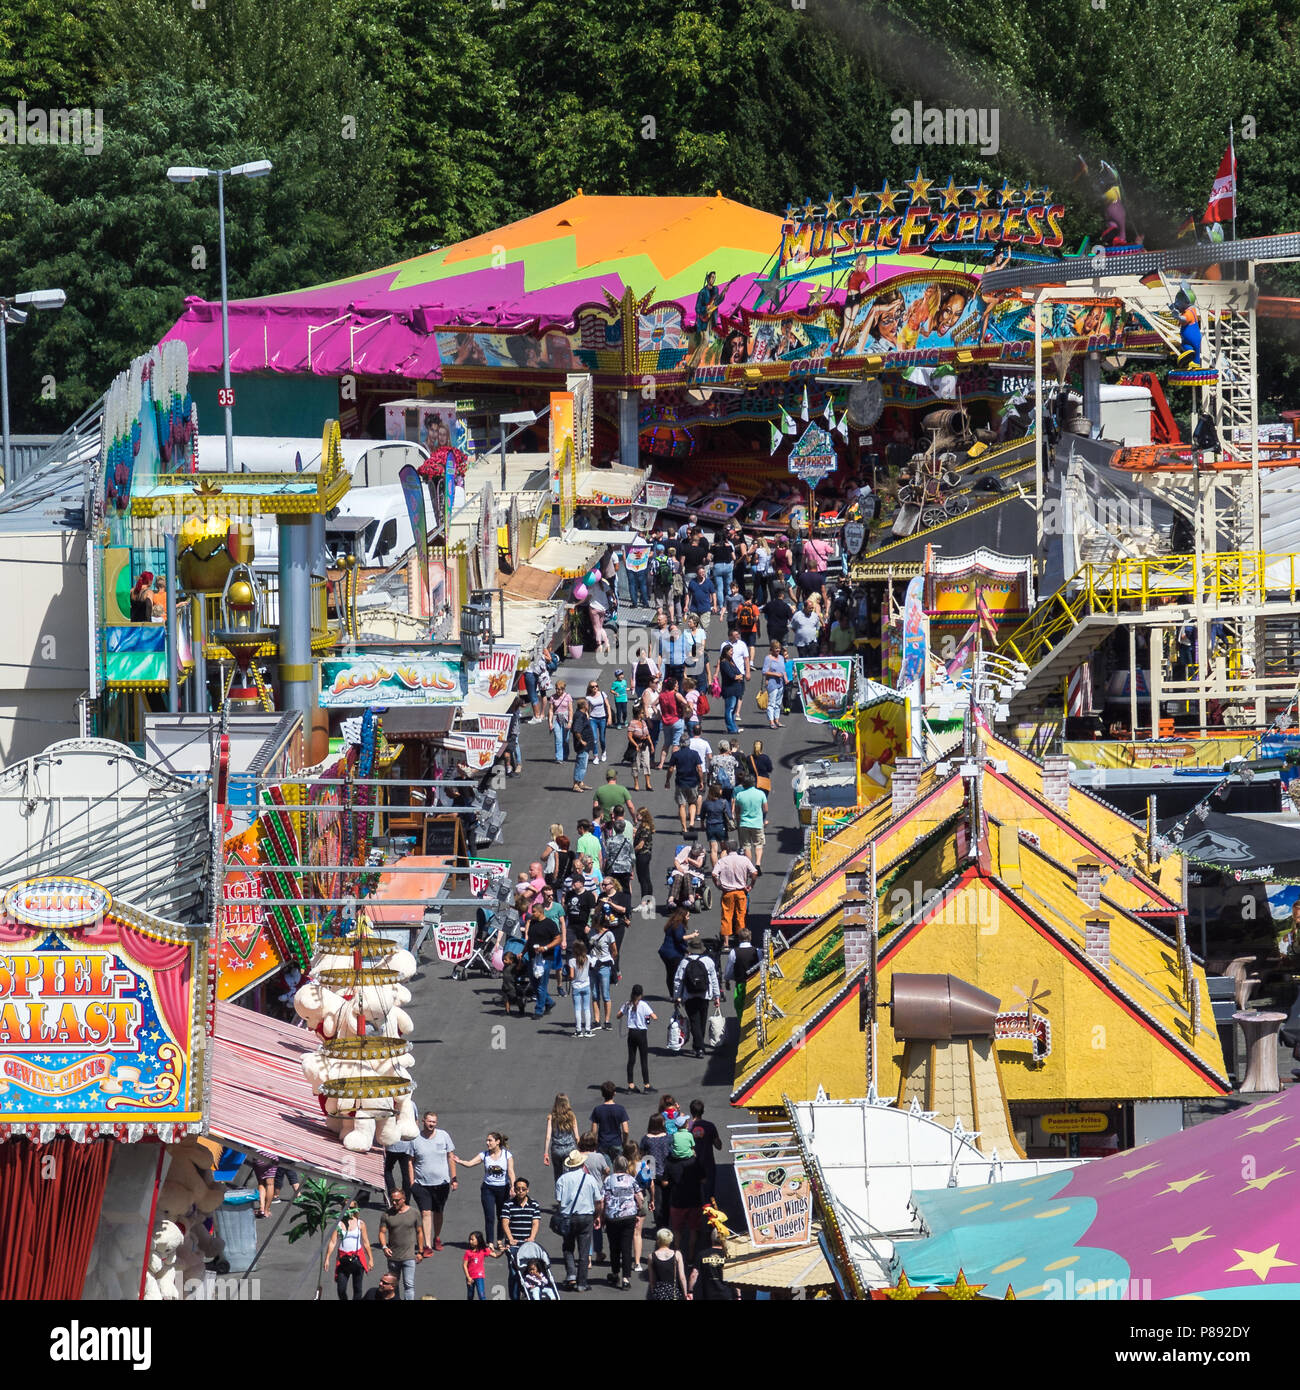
(42, 125)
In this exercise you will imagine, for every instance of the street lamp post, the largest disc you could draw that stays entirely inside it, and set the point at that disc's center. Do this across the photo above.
(10, 313)
(183, 173)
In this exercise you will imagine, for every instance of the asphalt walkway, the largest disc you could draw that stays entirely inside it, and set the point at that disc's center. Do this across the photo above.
(480, 1070)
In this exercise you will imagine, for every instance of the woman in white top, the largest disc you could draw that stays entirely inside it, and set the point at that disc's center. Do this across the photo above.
(355, 1258)
(761, 568)
(580, 974)
(604, 952)
(639, 1017)
(598, 713)
(498, 1181)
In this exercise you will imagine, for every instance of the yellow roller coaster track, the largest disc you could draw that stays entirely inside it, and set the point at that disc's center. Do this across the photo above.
(1145, 586)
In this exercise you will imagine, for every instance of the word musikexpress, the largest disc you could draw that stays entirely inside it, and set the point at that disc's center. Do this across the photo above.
(922, 226)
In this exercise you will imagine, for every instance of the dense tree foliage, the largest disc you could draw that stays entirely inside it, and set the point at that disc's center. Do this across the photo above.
(396, 125)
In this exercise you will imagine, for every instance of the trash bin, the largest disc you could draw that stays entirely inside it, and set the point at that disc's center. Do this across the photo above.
(237, 1226)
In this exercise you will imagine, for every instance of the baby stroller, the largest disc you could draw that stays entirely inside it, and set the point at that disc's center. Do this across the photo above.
(479, 962)
(518, 984)
(520, 1257)
(688, 887)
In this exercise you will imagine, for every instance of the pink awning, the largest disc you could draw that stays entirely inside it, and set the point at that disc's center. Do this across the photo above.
(420, 876)
(261, 1100)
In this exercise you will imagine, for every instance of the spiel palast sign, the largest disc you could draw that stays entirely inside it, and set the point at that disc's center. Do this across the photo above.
(97, 1003)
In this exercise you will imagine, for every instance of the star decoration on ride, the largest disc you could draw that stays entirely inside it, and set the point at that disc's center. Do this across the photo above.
(1180, 1243)
(887, 196)
(832, 206)
(1260, 1262)
(951, 193)
(961, 1291)
(857, 200)
(1029, 195)
(980, 195)
(1007, 195)
(902, 1292)
(809, 210)
(920, 186)
(771, 290)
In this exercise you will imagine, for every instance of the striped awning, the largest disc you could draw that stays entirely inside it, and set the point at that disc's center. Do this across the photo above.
(261, 1100)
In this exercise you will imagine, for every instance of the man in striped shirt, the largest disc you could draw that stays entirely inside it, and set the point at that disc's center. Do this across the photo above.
(521, 1218)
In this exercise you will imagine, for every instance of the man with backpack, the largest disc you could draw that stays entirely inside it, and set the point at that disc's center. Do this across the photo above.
(747, 619)
(742, 958)
(694, 990)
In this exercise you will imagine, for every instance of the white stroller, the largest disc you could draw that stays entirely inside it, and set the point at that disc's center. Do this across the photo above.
(538, 1286)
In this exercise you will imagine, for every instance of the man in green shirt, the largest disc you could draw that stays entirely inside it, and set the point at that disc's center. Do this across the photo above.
(751, 820)
(587, 842)
(609, 796)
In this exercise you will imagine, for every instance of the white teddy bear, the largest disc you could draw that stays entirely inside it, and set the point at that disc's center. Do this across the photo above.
(361, 1121)
(161, 1283)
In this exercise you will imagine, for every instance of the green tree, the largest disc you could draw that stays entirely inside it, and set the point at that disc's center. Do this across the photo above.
(317, 1207)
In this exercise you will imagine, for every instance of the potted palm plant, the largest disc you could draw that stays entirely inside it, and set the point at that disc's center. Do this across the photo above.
(318, 1206)
(576, 624)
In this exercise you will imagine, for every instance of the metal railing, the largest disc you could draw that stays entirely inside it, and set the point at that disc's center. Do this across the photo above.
(324, 630)
(1146, 585)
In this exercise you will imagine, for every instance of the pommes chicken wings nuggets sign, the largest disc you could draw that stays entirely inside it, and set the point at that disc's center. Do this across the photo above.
(97, 1003)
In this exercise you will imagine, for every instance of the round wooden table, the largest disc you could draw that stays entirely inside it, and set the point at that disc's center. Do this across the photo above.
(1260, 1029)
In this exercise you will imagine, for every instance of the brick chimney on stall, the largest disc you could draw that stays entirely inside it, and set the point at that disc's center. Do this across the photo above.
(1056, 780)
(859, 917)
(1096, 938)
(1088, 880)
(907, 777)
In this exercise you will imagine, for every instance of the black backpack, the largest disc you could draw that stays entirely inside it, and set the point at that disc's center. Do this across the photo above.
(696, 978)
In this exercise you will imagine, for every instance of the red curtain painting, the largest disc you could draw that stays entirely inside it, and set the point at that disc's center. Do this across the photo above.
(50, 1199)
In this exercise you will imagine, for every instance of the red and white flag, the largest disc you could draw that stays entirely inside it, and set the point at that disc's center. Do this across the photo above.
(1078, 690)
(1222, 206)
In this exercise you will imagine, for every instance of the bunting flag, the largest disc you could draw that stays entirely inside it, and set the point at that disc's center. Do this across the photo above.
(981, 721)
(1078, 690)
(843, 426)
(777, 439)
(1222, 206)
(788, 425)
(803, 409)
(829, 412)
(962, 655)
(985, 616)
